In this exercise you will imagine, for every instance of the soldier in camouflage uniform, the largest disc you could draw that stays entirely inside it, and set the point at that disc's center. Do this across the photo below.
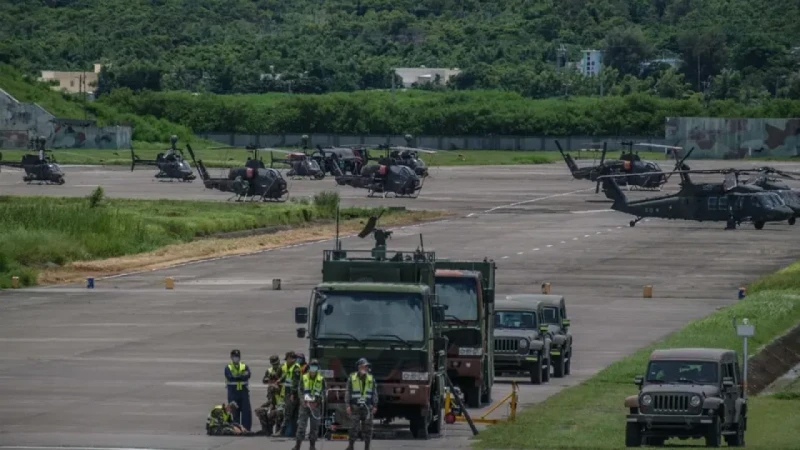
(362, 403)
(220, 421)
(290, 378)
(312, 393)
(270, 414)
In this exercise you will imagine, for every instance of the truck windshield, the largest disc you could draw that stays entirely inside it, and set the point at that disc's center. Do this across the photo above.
(371, 316)
(682, 372)
(515, 320)
(550, 316)
(460, 296)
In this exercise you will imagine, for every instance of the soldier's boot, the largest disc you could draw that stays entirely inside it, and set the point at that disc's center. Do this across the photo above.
(313, 444)
(297, 444)
(366, 444)
(351, 445)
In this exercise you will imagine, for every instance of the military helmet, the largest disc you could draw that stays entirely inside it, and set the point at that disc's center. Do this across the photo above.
(290, 355)
(301, 358)
(233, 405)
(274, 359)
(362, 362)
(313, 362)
(236, 352)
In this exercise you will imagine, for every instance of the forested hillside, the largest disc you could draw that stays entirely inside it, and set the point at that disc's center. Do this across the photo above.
(739, 49)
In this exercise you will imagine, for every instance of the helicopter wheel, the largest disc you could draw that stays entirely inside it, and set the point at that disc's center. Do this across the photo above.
(792, 220)
(758, 225)
(731, 225)
(633, 223)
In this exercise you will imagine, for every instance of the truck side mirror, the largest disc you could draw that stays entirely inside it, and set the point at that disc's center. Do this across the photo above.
(301, 332)
(440, 344)
(638, 380)
(301, 314)
(437, 311)
(727, 382)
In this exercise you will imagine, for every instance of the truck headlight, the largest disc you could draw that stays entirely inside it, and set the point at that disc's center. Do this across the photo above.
(646, 400)
(523, 343)
(695, 401)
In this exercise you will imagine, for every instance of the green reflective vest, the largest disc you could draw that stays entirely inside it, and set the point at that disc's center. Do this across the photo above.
(288, 376)
(312, 385)
(218, 416)
(237, 371)
(365, 390)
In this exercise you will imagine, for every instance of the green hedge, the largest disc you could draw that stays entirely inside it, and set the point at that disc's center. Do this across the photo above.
(431, 113)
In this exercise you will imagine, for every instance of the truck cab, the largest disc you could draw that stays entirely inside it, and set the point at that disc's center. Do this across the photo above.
(383, 309)
(467, 296)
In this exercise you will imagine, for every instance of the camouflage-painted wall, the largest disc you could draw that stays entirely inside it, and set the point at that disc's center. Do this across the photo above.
(77, 136)
(734, 138)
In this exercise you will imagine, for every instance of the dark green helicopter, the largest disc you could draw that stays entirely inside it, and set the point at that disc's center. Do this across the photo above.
(171, 164)
(40, 168)
(763, 180)
(728, 202)
(640, 174)
(251, 182)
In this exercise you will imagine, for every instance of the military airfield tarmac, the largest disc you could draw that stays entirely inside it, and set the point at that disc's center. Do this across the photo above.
(132, 365)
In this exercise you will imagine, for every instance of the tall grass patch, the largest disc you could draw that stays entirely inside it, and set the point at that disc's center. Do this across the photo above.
(38, 232)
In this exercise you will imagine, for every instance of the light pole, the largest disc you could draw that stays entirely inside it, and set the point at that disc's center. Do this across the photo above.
(744, 330)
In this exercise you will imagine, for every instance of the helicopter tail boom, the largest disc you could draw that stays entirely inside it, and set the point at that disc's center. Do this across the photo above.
(573, 168)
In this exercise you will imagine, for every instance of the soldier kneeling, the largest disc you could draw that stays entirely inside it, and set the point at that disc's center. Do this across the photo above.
(220, 421)
(270, 414)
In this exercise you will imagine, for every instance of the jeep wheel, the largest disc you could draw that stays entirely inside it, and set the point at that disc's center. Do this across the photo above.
(536, 373)
(737, 440)
(473, 395)
(546, 372)
(559, 367)
(633, 435)
(568, 365)
(714, 433)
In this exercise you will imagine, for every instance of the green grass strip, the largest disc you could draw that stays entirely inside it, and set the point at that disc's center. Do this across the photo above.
(592, 414)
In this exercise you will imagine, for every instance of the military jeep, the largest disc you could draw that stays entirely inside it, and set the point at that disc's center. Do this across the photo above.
(555, 317)
(688, 393)
(521, 341)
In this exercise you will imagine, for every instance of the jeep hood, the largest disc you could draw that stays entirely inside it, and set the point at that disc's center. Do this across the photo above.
(682, 388)
(514, 333)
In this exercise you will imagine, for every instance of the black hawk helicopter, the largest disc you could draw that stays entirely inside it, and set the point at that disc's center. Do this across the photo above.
(251, 182)
(643, 175)
(728, 202)
(171, 164)
(40, 168)
(760, 178)
(300, 164)
(385, 178)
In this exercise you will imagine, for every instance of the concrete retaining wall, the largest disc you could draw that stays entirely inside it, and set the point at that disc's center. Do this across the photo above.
(521, 143)
(773, 360)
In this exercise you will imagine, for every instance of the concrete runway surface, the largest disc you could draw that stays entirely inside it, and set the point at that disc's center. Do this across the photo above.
(132, 365)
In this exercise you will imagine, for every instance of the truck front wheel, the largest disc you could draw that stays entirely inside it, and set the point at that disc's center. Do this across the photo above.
(473, 395)
(419, 426)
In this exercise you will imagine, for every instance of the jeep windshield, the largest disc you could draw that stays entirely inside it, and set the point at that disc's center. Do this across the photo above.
(460, 295)
(673, 372)
(371, 316)
(550, 316)
(515, 320)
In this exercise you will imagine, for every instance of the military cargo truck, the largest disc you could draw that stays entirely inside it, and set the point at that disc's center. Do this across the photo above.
(522, 341)
(382, 309)
(466, 290)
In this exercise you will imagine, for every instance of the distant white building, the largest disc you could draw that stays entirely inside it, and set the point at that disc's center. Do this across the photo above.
(425, 75)
(591, 62)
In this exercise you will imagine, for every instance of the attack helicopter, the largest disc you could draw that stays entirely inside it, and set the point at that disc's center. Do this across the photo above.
(339, 161)
(300, 165)
(253, 181)
(385, 178)
(728, 202)
(171, 164)
(642, 175)
(40, 168)
(405, 156)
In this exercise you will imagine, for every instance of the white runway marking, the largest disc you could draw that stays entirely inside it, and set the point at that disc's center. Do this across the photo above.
(585, 235)
(549, 245)
(66, 447)
(536, 249)
(525, 202)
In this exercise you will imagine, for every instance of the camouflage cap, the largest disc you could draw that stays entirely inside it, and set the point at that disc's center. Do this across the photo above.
(274, 359)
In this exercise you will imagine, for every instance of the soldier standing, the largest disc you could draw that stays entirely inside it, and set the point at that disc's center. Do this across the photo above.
(362, 403)
(312, 389)
(237, 376)
(290, 379)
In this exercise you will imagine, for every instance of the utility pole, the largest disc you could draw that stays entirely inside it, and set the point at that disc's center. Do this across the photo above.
(744, 330)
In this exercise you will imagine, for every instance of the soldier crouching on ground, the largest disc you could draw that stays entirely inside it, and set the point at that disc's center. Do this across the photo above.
(220, 421)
